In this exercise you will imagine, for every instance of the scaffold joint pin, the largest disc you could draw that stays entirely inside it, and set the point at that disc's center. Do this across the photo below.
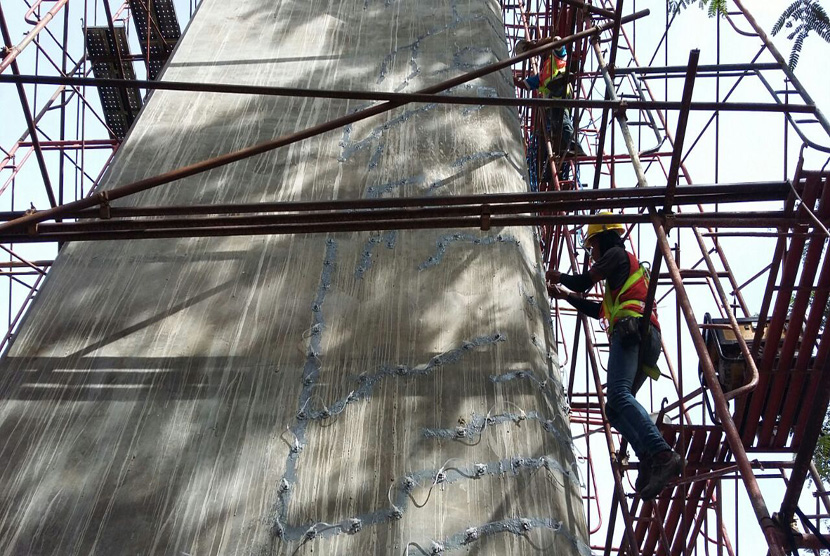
(104, 207)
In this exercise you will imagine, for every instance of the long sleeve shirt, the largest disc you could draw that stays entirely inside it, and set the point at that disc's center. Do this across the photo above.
(612, 266)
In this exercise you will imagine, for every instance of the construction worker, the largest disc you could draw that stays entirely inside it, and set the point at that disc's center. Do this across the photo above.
(626, 287)
(551, 82)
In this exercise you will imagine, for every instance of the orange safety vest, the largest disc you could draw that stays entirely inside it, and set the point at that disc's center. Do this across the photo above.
(629, 301)
(550, 72)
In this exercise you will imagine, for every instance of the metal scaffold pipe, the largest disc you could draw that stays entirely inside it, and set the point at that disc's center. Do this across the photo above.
(621, 118)
(353, 94)
(12, 52)
(783, 65)
(27, 112)
(759, 507)
(223, 160)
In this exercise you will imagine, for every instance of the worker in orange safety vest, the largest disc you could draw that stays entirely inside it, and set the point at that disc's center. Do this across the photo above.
(551, 82)
(621, 310)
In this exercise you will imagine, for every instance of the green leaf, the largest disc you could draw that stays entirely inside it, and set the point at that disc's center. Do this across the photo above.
(805, 17)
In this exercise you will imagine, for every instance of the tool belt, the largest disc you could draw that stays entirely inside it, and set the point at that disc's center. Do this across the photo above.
(629, 330)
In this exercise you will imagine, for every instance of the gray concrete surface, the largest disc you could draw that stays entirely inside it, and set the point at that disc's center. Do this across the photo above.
(366, 393)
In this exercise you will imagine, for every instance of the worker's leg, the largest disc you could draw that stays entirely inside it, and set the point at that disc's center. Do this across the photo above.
(567, 131)
(651, 353)
(555, 122)
(666, 465)
(624, 412)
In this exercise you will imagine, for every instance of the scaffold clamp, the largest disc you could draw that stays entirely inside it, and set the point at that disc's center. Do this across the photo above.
(104, 207)
(667, 217)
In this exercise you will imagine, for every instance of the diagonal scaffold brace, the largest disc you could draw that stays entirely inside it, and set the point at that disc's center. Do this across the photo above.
(229, 158)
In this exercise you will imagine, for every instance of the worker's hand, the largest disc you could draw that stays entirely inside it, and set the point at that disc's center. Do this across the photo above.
(555, 292)
(518, 82)
(553, 276)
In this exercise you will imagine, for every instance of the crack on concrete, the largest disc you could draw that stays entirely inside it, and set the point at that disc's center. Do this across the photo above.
(555, 395)
(461, 162)
(534, 302)
(403, 493)
(481, 155)
(373, 162)
(458, 56)
(520, 526)
(349, 148)
(478, 424)
(480, 91)
(444, 241)
(390, 238)
(386, 4)
(415, 46)
(403, 488)
(366, 382)
(311, 374)
(377, 191)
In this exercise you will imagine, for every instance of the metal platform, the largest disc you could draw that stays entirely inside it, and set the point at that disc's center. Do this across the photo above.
(671, 523)
(775, 415)
(110, 57)
(157, 34)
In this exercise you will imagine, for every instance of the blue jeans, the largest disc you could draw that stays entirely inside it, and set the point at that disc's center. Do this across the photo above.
(560, 128)
(623, 410)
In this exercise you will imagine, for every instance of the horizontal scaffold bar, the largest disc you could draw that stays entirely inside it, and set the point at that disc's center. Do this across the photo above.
(405, 97)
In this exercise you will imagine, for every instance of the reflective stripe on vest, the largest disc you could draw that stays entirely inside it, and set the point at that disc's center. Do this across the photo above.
(613, 308)
(548, 73)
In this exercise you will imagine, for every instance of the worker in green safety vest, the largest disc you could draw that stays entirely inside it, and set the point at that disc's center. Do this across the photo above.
(626, 287)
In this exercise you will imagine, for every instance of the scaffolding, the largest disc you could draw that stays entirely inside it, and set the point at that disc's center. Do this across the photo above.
(748, 395)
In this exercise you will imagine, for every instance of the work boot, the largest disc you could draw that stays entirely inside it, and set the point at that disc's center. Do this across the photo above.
(665, 466)
(643, 473)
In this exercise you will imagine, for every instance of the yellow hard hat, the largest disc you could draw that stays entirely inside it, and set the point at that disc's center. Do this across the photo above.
(594, 229)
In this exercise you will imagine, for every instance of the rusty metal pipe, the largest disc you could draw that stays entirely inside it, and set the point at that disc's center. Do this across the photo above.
(756, 498)
(205, 227)
(758, 191)
(778, 255)
(682, 122)
(367, 216)
(27, 114)
(783, 65)
(188, 86)
(623, 121)
(805, 452)
(615, 37)
(701, 69)
(305, 228)
(591, 9)
(733, 322)
(12, 52)
(223, 160)
(671, 182)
